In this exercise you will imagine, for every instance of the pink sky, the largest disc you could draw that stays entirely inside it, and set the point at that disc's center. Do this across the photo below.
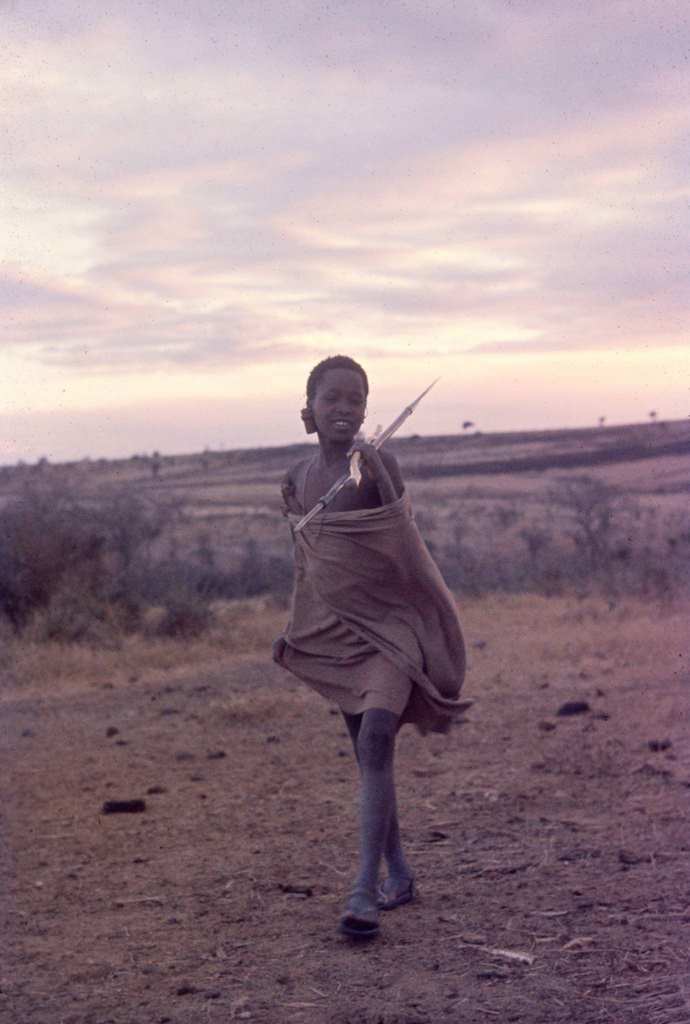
(200, 201)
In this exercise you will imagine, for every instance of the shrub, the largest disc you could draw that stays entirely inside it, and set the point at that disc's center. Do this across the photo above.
(131, 523)
(186, 615)
(46, 537)
(591, 506)
(74, 616)
(589, 537)
(75, 564)
(263, 573)
(505, 516)
(620, 547)
(85, 568)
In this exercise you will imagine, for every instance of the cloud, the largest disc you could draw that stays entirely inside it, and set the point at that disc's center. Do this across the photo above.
(214, 186)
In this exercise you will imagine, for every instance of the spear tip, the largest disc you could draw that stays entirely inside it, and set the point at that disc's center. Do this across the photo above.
(426, 391)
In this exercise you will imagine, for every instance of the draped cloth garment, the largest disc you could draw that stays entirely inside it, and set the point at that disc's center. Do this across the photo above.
(373, 622)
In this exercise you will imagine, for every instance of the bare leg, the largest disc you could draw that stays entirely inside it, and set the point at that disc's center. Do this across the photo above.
(375, 750)
(399, 872)
(400, 875)
(374, 739)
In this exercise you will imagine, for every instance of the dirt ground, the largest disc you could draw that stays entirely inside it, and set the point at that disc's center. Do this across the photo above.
(552, 854)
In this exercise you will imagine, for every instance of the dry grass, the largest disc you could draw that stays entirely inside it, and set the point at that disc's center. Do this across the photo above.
(241, 629)
(561, 639)
(535, 639)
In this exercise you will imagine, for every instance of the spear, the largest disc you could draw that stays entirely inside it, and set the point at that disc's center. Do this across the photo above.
(353, 474)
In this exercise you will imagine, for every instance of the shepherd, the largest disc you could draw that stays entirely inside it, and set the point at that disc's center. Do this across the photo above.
(373, 627)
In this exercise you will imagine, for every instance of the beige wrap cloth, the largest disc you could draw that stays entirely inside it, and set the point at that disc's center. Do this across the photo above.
(372, 621)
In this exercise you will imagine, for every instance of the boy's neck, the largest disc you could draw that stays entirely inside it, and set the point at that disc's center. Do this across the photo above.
(333, 452)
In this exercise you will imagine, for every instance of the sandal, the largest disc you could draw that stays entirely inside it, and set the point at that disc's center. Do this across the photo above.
(361, 917)
(406, 895)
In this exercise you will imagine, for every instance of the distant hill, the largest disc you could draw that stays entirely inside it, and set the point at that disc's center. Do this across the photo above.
(421, 457)
(505, 452)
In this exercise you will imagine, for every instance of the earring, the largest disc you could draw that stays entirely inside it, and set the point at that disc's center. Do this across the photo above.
(308, 420)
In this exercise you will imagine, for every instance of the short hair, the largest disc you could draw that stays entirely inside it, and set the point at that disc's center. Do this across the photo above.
(333, 363)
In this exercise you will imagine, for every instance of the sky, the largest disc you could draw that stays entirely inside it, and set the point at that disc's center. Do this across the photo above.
(200, 200)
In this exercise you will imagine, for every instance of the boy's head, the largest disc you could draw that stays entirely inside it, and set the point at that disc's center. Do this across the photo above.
(333, 363)
(339, 381)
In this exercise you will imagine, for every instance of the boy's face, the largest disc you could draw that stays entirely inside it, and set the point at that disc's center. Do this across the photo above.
(339, 405)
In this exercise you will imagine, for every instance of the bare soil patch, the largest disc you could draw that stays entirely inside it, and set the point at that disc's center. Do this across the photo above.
(552, 851)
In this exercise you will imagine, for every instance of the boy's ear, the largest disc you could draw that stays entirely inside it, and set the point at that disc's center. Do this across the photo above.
(308, 420)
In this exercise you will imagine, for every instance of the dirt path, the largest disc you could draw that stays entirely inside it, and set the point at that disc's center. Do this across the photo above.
(552, 853)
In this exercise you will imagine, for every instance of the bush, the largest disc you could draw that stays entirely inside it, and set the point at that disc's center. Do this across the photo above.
(186, 615)
(130, 524)
(46, 537)
(261, 573)
(72, 567)
(592, 507)
(83, 568)
(589, 538)
(74, 616)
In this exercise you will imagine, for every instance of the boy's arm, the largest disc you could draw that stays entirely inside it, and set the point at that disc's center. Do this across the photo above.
(390, 465)
(278, 648)
(289, 491)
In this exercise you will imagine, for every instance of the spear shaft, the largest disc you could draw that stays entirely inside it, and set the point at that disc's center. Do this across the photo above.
(330, 494)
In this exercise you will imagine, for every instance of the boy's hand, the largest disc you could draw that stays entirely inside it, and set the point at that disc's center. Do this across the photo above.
(384, 472)
(279, 645)
(371, 461)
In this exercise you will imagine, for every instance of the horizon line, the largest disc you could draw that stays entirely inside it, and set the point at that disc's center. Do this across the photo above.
(21, 463)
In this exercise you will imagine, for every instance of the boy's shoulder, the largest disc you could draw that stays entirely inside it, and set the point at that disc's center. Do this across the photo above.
(294, 472)
(391, 463)
(291, 484)
(388, 458)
